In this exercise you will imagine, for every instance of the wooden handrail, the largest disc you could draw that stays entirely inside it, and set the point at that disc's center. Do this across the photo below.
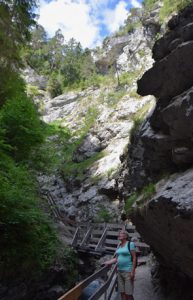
(105, 286)
(76, 292)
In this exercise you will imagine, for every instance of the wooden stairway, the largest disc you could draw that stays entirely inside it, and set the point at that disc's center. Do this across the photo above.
(101, 238)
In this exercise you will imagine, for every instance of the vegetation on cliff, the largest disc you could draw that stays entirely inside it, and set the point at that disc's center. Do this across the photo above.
(27, 239)
(28, 242)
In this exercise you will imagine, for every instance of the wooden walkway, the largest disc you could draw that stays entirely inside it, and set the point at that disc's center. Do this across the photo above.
(100, 239)
(97, 239)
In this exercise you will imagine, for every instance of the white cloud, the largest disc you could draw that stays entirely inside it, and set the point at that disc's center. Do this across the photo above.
(115, 18)
(73, 18)
(135, 3)
(83, 19)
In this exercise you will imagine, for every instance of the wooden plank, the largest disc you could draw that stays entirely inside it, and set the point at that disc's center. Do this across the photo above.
(141, 245)
(75, 292)
(92, 245)
(97, 232)
(86, 237)
(71, 228)
(112, 233)
(112, 242)
(75, 238)
(112, 288)
(104, 287)
(134, 234)
(111, 249)
(120, 226)
(102, 239)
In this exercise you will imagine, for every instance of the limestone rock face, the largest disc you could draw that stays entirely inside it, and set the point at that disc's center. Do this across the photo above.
(31, 77)
(171, 75)
(131, 51)
(108, 137)
(166, 222)
(163, 145)
(165, 141)
(106, 141)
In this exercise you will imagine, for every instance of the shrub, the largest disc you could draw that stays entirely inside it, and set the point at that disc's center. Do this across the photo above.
(170, 7)
(149, 4)
(22, 126)
(114, 97)
(129, 202)
(27, 240)
(70, 260)
(103, 214)
(129, 77)
(148, 191)
(54, 86)
(49, 156)
(134, 129)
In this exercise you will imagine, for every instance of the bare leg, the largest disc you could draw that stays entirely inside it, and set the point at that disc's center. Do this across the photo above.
(126, 297)
(123, 296)
(129, 297)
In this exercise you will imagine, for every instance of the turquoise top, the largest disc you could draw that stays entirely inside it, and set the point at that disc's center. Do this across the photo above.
(124, 259)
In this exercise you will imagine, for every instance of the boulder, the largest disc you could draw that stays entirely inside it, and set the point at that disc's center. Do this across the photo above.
(166, 222)
(170, 76)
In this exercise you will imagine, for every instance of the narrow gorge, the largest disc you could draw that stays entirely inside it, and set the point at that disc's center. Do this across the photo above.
(92, 135)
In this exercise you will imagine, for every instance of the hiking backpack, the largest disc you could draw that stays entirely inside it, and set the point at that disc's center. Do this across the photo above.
(131, 254)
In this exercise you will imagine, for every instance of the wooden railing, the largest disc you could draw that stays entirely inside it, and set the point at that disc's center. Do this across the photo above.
(106, 289)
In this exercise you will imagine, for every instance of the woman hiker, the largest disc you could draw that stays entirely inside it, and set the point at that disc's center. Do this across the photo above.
(126, 263)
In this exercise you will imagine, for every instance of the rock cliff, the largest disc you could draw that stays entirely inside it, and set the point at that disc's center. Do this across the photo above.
(163, 149)
(85, 192)
(114, 110)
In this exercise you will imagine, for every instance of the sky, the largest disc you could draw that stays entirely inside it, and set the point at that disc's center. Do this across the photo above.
(88, 21)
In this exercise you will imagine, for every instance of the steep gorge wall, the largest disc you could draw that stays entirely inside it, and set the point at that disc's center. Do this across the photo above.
(163, 149)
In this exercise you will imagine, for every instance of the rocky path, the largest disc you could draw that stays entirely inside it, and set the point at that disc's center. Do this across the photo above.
(144, 289)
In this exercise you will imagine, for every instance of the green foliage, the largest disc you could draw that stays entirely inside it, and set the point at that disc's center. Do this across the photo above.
(16, 19)
(114, 97)
(49, 156)
(149, 4)
(148, 191)
(32, 91)
(56, 153)
(69, 258)
(11, 85)
(54, 86)
(96, 179)
(141, 52)
(138, 119)
(133, 22)
(144, 195)
(67, 65)
(110, 173)
(27, 240)
(22, 126)
(172, 6)
(134, 94)
(77, 169)
(103, 214)
(134, 129)
(129, 77)
(129, 202)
